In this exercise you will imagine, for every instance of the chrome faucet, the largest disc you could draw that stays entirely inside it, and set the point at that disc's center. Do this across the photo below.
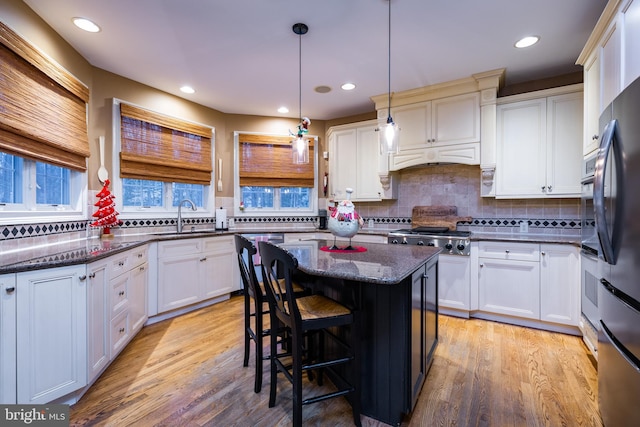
(193, 208)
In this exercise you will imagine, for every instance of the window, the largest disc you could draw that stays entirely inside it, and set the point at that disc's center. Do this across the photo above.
(163, 160)
(43, 136)
(267, 180)
(56, 189)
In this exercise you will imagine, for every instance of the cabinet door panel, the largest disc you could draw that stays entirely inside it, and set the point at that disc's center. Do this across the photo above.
(610, 59)
(521, 138)
(51, 324)
(454, 279)
(415, 126)
(564, 144)
(591, 104)
(178, 282)
(8, 339)
(98, 317)
(368, 181)
(631, 42)
(138, 296)
(343, 154)
(510, 287)
(560, 284)
(456, 120)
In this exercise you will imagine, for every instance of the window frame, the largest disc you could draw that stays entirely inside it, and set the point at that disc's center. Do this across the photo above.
(167, 209)
(277, 212)
(29, 211)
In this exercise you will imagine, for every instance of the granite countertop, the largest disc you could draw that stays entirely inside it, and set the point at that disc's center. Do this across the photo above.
(84, 251)
(377, 264)
(527, 238)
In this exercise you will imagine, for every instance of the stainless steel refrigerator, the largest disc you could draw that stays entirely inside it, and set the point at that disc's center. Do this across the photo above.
(616, 199)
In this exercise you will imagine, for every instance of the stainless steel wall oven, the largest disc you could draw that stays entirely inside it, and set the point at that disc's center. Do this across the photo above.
(590, 318)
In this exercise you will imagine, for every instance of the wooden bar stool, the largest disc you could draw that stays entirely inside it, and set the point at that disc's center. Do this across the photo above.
(304, 315)
(254, 300)
(255, 307)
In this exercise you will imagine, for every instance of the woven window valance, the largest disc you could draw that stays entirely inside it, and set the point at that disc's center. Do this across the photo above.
(43, 111)
(266, 161)
(162, 148)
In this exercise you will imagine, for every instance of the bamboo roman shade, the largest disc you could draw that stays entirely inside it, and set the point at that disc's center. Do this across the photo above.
(43, 113)
(266, 161)
(162, 148)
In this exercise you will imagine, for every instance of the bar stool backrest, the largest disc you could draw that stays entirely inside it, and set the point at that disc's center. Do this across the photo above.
(278, 266)
(246, 250)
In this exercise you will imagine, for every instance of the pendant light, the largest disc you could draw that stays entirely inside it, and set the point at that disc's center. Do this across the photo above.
(388, 135)
(300, 145)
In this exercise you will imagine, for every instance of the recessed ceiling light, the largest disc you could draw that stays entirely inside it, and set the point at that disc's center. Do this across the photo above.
(283, 110)
(527, 41)
(187, 89)
(348, 86)
(85, 24)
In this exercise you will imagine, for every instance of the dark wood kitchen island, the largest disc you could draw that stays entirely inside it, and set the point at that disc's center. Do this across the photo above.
(396, 290)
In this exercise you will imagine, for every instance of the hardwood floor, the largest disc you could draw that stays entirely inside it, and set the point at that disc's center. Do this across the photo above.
(188, 371)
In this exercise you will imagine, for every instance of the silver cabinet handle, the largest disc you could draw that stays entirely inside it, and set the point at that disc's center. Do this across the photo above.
(542, 253)
(203, 259)
(141, 268)
(594, 137)
(83, 277)
(507, 251)
(92, 275)
(121, 263)
(10, 290)
(139, 255)
(550, 188)
(481, 265)
(542, 188)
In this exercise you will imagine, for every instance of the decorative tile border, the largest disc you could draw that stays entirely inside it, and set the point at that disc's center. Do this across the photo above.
(8, 232)
(11, 232)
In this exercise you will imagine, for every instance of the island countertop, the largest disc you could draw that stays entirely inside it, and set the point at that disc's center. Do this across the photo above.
(379, 263)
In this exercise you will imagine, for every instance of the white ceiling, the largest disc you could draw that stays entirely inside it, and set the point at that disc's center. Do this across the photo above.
(241, 56)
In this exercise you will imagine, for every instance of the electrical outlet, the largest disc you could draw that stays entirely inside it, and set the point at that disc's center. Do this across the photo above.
(524, 226)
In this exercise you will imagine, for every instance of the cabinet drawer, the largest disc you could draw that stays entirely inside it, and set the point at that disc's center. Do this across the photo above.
(119, 296)
(138, 256)
(218, 244)
(509, 250)
(119, 264)
(119, 333)
(179, 247)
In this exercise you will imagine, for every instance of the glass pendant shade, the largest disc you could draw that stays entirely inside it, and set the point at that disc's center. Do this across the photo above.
(300, 150)
(388, 136)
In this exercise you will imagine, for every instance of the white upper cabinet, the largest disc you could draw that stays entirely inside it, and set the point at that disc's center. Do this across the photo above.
(354, 159)
(539, 148)
(611, 62)
(441, 130)
(591, 104)
(631, 43)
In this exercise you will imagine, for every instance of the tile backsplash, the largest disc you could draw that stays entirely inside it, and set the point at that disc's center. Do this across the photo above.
(457, 185)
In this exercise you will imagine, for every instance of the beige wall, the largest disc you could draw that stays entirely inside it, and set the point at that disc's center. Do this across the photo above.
(104, 86)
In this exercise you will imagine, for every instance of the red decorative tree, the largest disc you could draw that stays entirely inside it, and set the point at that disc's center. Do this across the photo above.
(107, 216)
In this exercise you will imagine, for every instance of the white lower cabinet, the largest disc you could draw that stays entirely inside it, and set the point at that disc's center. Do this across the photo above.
(530, 281)
(560, 284)
(509, 279)
(51, 325)
(8, 339)
(193, 270)
(454, 278)
(218, 273)
(510, 287)
(116, 305)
